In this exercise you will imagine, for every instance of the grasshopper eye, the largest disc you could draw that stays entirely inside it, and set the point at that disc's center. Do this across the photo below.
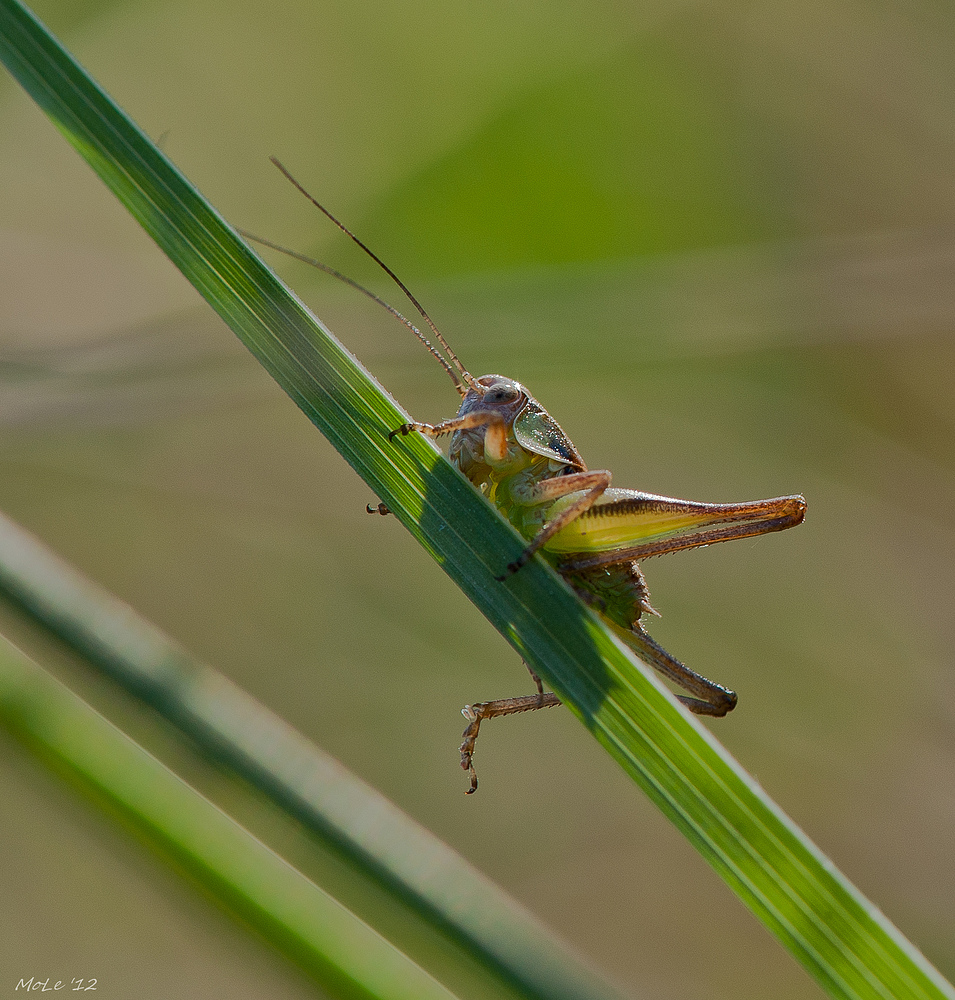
(501, 394)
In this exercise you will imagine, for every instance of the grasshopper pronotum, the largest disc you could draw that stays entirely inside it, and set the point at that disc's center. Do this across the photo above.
(518, 456)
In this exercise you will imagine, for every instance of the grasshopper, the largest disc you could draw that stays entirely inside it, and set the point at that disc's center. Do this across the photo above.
(512, 450)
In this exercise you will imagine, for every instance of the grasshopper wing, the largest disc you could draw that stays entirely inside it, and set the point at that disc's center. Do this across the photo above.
(538, 432)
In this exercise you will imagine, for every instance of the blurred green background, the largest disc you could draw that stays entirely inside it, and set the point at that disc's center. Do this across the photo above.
(716, 241)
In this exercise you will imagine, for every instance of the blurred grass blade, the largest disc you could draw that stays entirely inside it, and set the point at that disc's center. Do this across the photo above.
(827, 925)
(337, 949)
(379, 840)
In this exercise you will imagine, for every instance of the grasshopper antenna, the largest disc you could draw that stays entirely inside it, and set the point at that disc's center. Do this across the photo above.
(361, 288)
(465, 378)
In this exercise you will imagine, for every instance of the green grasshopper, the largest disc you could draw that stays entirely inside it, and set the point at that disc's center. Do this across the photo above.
(518, 456)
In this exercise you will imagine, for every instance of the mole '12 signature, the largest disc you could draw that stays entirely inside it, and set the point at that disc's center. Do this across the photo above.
(519, 457)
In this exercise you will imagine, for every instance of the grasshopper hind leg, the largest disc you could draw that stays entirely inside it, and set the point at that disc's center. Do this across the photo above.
(476, 714)
(713, 699)
(618, 592)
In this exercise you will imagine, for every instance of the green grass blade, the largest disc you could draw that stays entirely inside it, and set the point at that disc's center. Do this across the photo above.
(829, 927)
(381, 842)
(336, 948)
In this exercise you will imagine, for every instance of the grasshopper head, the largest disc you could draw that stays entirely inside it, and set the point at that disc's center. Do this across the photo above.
(495, 392)
(532, 427)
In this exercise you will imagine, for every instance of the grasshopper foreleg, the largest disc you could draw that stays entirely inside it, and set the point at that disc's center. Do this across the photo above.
(476, 714)
(479, 418)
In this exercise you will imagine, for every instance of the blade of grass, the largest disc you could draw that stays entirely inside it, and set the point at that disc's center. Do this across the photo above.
(818, 915)
(377, 838)
(337, 949)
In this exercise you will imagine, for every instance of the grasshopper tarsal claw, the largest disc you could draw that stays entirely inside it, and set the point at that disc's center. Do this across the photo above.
(382, 509)
(520, 562)
(403, 430)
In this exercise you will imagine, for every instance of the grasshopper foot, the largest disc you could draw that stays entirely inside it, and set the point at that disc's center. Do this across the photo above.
(382, 509)
(403, 430)
(476, 714)
(513, 567)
